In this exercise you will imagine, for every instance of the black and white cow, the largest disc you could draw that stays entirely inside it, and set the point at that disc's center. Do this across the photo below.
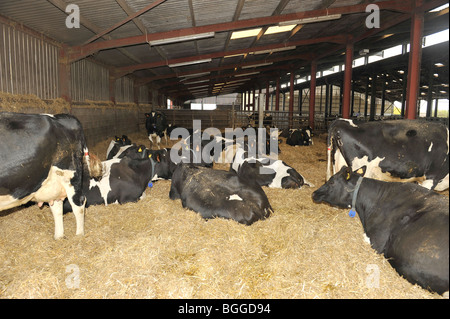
(398, 150)
(156, 125)
(124, 180)
(216, 193)
(275, 175)
(164, 166)
(404, 221)
(43, 158)
(301, 137)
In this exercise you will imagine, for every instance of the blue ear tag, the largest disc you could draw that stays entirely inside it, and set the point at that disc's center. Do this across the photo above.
(352, 213)
(150, 184)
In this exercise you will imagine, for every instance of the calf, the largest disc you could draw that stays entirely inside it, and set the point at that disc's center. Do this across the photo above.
(394, 151)
(301, 137)
(156, 125)
(405, 222)
(216, 193)
(275, 175)
(50, 170)
(124, 180)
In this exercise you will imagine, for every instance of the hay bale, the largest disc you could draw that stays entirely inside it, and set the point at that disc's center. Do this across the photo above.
(157, 249)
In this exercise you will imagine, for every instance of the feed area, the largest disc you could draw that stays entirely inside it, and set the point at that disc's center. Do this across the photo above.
(156, 249)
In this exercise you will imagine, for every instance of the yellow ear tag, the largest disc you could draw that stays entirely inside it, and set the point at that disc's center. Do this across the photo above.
(187, 148)
(150, 156)
(348, 176)
(360, 171)
(140, 150)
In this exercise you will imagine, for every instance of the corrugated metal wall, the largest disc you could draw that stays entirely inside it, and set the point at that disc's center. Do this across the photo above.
(89, 81)
(28, 65)
(124, 90)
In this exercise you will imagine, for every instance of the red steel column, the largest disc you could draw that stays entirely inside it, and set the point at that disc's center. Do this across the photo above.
(312, 94)
(415, 59)
(291, 101)
(277, 96)
(347, 81)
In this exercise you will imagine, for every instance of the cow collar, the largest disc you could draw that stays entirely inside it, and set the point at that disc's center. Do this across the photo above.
(352, 212)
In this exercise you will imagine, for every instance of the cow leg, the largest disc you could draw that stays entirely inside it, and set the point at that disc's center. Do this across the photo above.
(78, 211)
(57, 211)
(165, 136)
(77, 202)
(158, 141)
(151, 140)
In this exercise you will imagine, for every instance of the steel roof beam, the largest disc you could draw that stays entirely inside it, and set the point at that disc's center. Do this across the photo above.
(129, 18)
(79, 52)
(121, 71)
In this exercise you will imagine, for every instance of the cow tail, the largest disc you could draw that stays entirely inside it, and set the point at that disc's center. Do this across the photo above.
(93, 164)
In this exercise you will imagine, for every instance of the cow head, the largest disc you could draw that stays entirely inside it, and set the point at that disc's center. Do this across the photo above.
(338, 191)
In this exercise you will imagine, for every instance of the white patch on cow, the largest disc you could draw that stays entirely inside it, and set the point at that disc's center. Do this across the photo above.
(427, 183)
(431, 146)
(443, 184)
(366, 238)
(121, 150)
(350, 122)
(374, 171)
(238, 160)
(156, 178)
(280, 172)
(339, 161)
(111, 145)
(235, 197)
(448, 147)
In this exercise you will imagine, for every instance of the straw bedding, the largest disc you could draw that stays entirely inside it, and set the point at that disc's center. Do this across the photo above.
(156, 249)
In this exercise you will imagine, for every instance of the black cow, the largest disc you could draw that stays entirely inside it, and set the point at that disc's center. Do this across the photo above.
(216, 193)
(117, 146)
(44, 158)
(397, 151)
(124, 180)
(404, 221)
(156, 125)
(275, 175)
(164, 166)
(301, 137)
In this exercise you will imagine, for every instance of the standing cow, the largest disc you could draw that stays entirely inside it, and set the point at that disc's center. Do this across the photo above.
(404, 221)
(156, 125)
(42, 159)
(398, 150)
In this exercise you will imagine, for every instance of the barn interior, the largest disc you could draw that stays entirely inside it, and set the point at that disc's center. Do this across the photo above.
(108, 62)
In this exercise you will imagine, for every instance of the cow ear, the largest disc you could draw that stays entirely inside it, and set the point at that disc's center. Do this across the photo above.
(361, 171)
(348, 173)
(158, 159)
